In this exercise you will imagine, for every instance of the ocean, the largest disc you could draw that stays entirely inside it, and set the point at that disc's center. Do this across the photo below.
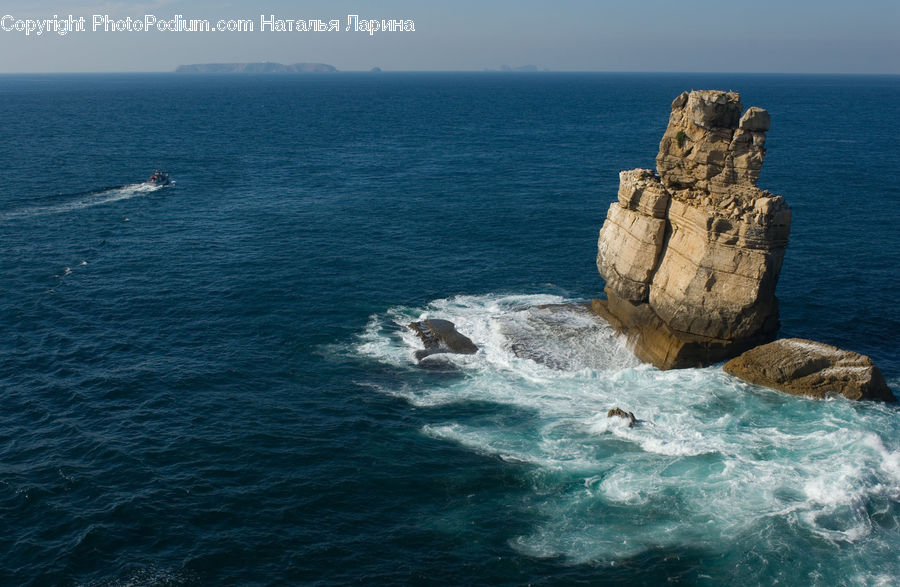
(212, 383)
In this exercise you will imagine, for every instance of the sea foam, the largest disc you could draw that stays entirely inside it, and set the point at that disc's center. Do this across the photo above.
(69, 203)
(711, 462)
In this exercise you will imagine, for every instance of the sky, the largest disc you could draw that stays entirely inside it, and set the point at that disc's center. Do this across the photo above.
(763, 36)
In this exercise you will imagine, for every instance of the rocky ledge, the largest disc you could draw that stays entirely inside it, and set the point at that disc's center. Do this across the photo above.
(814, 369)
(441, 336)
(691, 252)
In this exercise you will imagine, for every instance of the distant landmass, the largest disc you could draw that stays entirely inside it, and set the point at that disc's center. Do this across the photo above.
(519, 68)
(265, 67)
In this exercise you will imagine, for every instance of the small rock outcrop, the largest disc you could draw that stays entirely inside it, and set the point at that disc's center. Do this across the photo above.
(441, 336)
(814, 369)
(691, 253)
(620, 413)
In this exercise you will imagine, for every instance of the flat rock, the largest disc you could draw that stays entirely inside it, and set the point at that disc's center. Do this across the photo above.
(814, 369)
(441, 336)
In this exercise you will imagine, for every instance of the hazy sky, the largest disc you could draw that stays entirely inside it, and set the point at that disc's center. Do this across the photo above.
(811, 36)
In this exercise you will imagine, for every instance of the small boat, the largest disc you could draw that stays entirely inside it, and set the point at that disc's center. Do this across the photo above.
(160, 178)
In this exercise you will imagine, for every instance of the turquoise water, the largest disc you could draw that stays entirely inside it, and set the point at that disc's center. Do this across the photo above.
(212, 384)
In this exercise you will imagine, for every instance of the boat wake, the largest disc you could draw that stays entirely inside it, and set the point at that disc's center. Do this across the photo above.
(83, 200)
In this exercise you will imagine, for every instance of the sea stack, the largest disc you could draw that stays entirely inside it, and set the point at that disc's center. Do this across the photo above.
(691, 253)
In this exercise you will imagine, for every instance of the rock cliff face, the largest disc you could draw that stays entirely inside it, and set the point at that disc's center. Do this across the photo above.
(691, 254)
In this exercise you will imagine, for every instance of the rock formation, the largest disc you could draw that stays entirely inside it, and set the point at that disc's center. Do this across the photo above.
(805, 367)
(691, 254)
(441, 336)
(620, 413)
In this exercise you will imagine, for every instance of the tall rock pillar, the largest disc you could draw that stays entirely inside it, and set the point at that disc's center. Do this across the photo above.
(691, 254)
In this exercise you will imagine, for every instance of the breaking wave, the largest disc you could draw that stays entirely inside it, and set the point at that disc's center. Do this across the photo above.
(712, 462)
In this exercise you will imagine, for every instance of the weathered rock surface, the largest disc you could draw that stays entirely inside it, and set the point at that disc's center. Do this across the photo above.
(632, 237)
(653, 341)
(691, 254)
(441, 336)
(815, 369)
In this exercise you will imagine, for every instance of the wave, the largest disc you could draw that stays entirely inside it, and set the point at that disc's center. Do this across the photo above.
(712, 461)
(85, 200)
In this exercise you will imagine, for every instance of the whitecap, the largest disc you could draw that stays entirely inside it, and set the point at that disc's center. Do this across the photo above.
(711, 460)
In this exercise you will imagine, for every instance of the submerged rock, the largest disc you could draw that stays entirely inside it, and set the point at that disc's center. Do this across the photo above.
(814, 369)
(441, 336)
(619, 412)
(691, 254)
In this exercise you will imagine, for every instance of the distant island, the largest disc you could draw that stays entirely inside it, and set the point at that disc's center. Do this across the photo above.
(264, 67)
(519, 68)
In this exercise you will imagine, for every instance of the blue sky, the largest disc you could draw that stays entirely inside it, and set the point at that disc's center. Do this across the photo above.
(824, 36)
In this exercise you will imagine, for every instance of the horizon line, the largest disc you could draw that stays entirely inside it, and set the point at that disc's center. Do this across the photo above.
(484, 70)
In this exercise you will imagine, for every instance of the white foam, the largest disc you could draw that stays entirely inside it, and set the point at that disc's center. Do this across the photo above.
(95, 199)
(710, 461)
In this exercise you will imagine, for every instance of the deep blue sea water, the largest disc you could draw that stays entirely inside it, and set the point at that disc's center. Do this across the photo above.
(211, 384)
